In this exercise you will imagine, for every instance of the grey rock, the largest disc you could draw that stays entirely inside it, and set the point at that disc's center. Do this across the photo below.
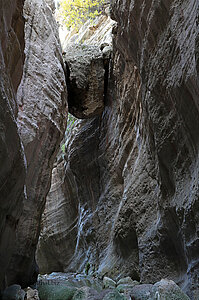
(168, 290)
(86, 293)
(66, 219)
(109, 283)
(114, 295)
(12, 162)
(42, 100)
(32, 294)
(123, 288)
(127, 280)
(85, 80)
(55, 292)
(142, 292)
(51, 4)
(13, 292)
(135, 169)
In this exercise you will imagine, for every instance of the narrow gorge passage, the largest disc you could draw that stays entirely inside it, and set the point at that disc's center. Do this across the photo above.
(104, 205)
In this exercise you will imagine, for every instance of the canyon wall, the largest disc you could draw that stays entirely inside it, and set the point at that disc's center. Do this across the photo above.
(42, 104)
(130, 193)
(12, 174)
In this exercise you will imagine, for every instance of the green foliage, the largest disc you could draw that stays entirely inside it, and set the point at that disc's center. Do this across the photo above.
(70, 122)
(74, 13)
(63, 148)
(87, 267)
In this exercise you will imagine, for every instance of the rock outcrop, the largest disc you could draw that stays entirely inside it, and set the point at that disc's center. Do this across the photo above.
(135, 168)
(12, 173)
(42, 117)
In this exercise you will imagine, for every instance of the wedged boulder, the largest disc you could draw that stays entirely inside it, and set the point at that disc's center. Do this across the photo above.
(42, 99)
(85, 76)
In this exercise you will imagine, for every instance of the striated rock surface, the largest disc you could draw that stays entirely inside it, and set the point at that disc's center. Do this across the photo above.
(64, 218)
(12, 172)
(64, 213)
(41, 121)
(135, 169)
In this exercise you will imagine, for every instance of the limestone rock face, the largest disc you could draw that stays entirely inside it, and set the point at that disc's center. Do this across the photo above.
(136, 167)
(12, 171)
(41, 121)
(64, 225)
(85, 80)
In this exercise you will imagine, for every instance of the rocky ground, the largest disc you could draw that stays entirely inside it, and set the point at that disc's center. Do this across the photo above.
(76, 286)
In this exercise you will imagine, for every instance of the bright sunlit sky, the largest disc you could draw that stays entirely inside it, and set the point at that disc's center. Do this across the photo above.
(56, 2)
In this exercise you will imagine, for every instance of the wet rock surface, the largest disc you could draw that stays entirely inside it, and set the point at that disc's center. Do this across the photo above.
(41, 120)
(136, 167)
(12, 172)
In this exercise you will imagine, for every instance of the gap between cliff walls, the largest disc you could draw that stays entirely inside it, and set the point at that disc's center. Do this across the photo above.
(86, 55)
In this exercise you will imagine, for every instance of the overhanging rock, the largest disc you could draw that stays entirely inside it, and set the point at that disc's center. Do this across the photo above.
(85, 76)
